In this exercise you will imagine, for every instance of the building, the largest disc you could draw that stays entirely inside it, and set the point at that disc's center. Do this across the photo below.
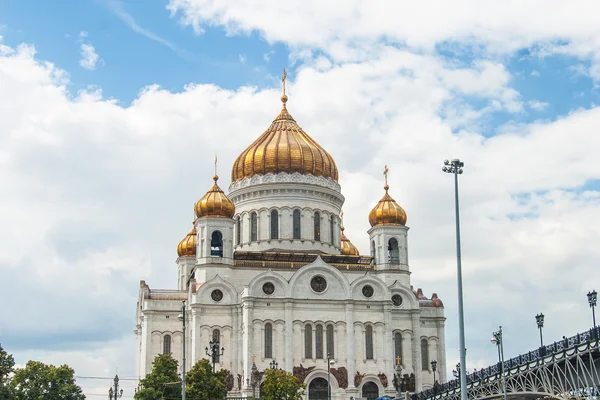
(268, 272)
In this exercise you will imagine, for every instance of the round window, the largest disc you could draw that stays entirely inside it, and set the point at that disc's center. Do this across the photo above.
(216, 295)
(367, 291)
(268, 288)
(318, 284)
(397, 300)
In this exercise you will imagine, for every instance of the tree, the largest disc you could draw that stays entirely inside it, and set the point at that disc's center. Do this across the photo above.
(203, 383)
(7, 362)
(38, 381)
(282, 385)
(162, 382)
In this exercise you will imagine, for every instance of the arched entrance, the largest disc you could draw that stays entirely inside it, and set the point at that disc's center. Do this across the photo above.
(370, 391)
(317, 389)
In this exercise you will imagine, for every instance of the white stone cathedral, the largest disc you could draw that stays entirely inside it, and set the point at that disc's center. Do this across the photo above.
(268, 273)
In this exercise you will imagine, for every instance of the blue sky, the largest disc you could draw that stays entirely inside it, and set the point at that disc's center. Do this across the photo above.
(103, 185)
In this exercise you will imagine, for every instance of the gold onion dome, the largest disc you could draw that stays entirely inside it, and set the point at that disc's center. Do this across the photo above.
(284, 147)
(348, 249)
(215, 203)
(187, 247)
(387, 211)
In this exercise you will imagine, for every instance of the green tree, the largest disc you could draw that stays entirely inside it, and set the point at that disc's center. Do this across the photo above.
(7, 362)
(162, 381)
(282, 385)
(38, 381)
(203, 383)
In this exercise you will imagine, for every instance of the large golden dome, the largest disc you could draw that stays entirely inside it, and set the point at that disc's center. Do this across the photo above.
(387, 211)
(215, 203)
(284, 147)
(348, 248)
(187, 247)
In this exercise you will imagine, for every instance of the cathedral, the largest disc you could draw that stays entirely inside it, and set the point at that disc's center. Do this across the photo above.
(268, 276)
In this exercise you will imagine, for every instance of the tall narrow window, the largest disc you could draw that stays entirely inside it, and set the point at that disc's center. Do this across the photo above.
(253, 227)
(238, 230)
(317, 226)
(424, 355)
(373, 251)
(319, 341)
(167, 344)
(393, 252)
(216, 244)
(330, 341)
(216, 337)
(296, 223)
(369, 342)
(307, 341)
(268, 341)
(397, 347)
(274, 224)
(331, 230)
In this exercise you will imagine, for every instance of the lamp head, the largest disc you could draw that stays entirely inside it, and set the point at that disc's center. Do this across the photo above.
(540, 320)
(592, 296)
(180, 317)
(494, 340)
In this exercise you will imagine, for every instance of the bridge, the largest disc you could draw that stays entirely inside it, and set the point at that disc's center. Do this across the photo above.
(567, 369)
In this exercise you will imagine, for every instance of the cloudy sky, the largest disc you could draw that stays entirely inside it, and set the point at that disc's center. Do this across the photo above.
(111, 112)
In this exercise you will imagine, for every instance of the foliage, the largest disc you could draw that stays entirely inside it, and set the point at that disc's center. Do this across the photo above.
(203, 384)
(282, 385)
(38, 381)
(7, 362)
(162, 382)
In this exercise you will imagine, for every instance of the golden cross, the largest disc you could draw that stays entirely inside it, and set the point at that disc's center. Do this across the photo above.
(253, 358)
(283, 80)
(385, 173)
(398, 360)
(215, 165)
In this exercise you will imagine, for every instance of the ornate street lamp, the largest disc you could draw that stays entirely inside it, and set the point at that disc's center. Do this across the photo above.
(540, 324)
(116, 393)
(398, 377)
(254, 378)
(456, 372)
(434, 368)
(182, 318)
(330, 362)
(273, 364)
(592, 301)
(455, 167)
(214, 351)
(497, 340)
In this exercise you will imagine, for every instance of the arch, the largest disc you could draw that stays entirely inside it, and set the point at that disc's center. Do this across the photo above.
(274, 224)
(381, 291)
(166, 344)
(424, 354)
(398, 347)
(308, 341)
(368, 342)
(393, 252)
(296, 225)
(229, 291)
(268, 340)
(370, 390)
(253, 226)
(319, 341)
(330, 341)
(318, 389)
(320, 266)
(216, 337)
(331, 223)
(238, 230)
(317, 226)
(373, 251)
(216, 244)
(255, 285)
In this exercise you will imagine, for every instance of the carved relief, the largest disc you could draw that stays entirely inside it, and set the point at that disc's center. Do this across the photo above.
(383, 379)
(302, 372)
(358, 378)
(287, 178)
(229, 382)
(341, 375)
(239, 381)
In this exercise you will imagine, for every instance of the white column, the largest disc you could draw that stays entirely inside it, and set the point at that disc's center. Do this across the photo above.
(388, 348)
(247, 338)
(417, 349)
(289, 337)
(193, 333)
(441, 351)
(146, 356)
(350, 357)
(234, 346)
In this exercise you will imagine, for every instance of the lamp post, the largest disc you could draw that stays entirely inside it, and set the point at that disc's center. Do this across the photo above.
(254, 378)
(497, 340)
(592, 301)
(456, 167)
(214, 351)
(329, 363)
(274, 364)
(434, 368)
(114, 394)
(182, 319)
(398, 377)
(456, 372)
(540, 324)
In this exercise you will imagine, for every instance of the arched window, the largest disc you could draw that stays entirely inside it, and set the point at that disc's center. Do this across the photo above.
(268, 341)
(216, 244)
(317, 226)
(330, 341)
(331, 230)
(424, 355)
(216, 337)
(296, 223)
(319, 341)
(274, 224)
(307, 341)
(397, 347)
(393, 252)
(369, 342)
(253, 227)
(238, 230)
(373, 251)
(167, 344)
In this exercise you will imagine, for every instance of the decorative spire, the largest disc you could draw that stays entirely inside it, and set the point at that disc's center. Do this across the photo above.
(215, 176)
(342, 220)
(385, 174)
(284, 97)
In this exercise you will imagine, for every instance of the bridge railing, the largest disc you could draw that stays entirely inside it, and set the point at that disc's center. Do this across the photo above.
(513, 365)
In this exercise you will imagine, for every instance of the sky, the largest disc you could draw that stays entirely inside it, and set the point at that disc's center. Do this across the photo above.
(111, 112)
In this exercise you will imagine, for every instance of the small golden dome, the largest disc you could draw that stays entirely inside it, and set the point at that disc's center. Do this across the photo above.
(387, 211)
(215, 203)
(187, 247)
(284, 147)
(348, 249)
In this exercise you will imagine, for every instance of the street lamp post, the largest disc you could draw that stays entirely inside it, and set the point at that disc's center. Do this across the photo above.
(254, 378)
(114, 394)
(456, 167)
(398, 377)
(497, 340)
(540, 324)
(592, 301)
(214, 351)
(182, 319)
(434, 368)
(330, 362)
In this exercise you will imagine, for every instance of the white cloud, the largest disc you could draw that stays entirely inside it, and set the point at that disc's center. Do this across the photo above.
(537, 105)
(89, 57)
(242, 58)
